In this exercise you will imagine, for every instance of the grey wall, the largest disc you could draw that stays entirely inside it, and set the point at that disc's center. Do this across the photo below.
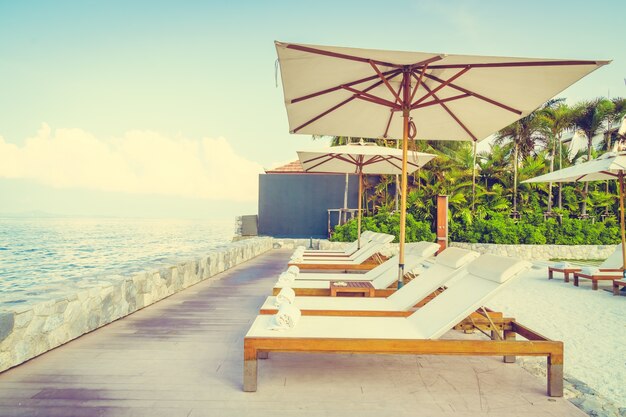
(294, 205)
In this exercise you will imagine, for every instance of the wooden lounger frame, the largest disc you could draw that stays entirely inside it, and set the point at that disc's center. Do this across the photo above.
(565, 271)
(595, 278)
(370, 263)
(536, 345)
(616, 284)
(362, 313)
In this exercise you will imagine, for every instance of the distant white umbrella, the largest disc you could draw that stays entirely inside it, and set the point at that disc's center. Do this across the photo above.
(372, 93)
(610, 166)
(361, 158)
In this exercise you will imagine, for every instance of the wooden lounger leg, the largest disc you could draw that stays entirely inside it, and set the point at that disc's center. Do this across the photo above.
(263, 355)
(594, 284)
(575, 280)
(555, 376)
(565, 276)
(509, 336)
(550, 273)
(249, 368)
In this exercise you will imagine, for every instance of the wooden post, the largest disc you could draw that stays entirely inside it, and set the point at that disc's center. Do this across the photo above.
(359, 212)
(620, 175)
(406, 111)
(249, 368)
(442, 222)
(555, 376)
(509, 336)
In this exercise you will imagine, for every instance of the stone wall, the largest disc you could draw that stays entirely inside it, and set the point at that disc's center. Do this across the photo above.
(31, 330)
(530, 252)
(541, 252)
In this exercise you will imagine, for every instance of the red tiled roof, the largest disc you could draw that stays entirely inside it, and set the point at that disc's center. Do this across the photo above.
(290, 168)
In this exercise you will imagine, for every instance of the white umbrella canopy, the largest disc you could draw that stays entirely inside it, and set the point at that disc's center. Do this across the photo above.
(372, 93)
(361, 158)
(606, 167)
(610, 166)
(338, 91)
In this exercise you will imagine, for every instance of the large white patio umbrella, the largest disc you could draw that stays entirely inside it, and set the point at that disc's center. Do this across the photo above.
(610, 166)
(405, 95)
(360, 158)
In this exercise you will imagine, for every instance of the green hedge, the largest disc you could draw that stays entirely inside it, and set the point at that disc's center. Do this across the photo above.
(385, 223)
(495, 229)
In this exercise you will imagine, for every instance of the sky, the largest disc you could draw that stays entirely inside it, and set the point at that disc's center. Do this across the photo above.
(173, 108)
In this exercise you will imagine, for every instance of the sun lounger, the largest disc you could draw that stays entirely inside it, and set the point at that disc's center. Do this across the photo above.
(610, 264)
(421, 249)
(597, 274)
(617, 284)
(448, 264)
(382, 276)
(376, 239)
(363, 259)
(348, 250)
(415, 334)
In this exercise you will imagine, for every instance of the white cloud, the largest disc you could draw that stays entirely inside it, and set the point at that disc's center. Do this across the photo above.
(139, 162)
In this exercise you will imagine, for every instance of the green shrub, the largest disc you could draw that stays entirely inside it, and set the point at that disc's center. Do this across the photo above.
(385, 223)
(497, 228)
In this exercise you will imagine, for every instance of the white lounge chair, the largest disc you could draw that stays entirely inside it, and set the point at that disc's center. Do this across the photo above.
(360, 260)
(449, 266)
(381, 277)
(414, 334)
(376, 239)
(611, 264)
(348, 250)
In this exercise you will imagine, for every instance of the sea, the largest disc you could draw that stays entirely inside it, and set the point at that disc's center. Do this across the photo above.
(41, 258)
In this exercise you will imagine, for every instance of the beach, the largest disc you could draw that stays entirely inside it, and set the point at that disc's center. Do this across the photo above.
(590, 323)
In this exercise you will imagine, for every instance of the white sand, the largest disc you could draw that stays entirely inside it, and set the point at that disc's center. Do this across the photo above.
(592, 325)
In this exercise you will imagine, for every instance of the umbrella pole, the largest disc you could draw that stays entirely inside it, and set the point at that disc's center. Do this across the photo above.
(359, 213)
(621, 210)
(405, 149)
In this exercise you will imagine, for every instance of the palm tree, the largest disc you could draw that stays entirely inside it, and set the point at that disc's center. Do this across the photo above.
(524, 134)
(614, 111)
(589, 117)
(555, 119)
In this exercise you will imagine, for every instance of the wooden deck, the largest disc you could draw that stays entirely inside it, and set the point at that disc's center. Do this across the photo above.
(184, 355)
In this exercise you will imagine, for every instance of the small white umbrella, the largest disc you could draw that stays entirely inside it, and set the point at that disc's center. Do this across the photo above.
(361, 158)
(610, 166)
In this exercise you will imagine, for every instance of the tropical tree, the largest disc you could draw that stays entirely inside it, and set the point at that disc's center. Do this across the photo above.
(588, 117)
(555, 120)
(524, 134)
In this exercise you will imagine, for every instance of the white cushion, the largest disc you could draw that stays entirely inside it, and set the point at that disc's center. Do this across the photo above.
(456, 257)
(423, 249)
(497, 268)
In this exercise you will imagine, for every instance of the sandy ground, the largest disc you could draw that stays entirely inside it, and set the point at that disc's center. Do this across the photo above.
(592, 324)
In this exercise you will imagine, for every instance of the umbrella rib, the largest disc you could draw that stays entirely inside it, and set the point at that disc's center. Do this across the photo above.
(442, 85)
(330, 157)
(443, 100)
(370, 97)
(339, 87)
(479, 96)
(382, 77)
(518, 64)
(388, 124)
(419, 81)
(456, 119)
(609, 174)
(385, 135)
(335, 107)
(338, 55)
(426, 62)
